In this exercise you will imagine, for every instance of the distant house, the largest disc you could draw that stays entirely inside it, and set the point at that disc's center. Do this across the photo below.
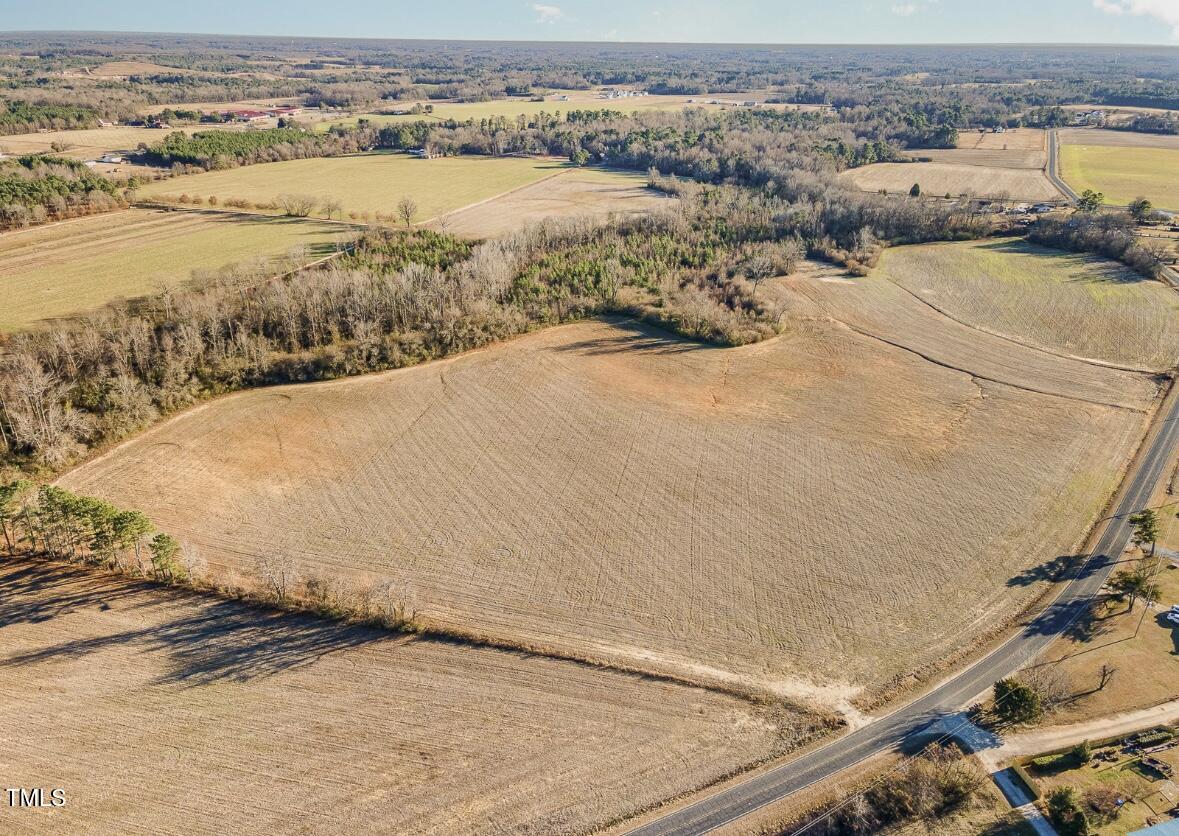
(285, 110)
(111, 158)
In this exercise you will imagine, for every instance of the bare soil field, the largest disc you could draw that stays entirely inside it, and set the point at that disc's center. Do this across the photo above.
(78, 265)
(1017, 148)
(1019, 182)
(580, 192)
(811, 515)
(1116, 139)
(1072, 303)
(166, 713)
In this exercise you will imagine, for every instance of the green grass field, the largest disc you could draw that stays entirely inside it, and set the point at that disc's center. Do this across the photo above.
(1069, 303)
(1124, 173)
(368, 182)
(79, 265)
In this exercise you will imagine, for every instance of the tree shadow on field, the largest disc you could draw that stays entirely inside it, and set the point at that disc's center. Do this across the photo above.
(635, 338)
(33, 592)
(1057, 569)
(200, 639)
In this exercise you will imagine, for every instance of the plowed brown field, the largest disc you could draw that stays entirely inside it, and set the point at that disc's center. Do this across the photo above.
(811, 515)
(164, 713)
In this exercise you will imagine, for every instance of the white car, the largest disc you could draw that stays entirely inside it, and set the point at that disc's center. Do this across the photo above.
(1173, 614)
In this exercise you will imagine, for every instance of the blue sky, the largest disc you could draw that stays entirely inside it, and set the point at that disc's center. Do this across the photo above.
(785, 21)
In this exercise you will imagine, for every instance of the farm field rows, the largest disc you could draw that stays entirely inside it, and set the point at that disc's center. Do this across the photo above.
(1015, 148)
(162, 712)
(956, 179)
(885, 311)
(372, 182)
(758, 515)
(580, 192)
(1072, 303)
(79, 265)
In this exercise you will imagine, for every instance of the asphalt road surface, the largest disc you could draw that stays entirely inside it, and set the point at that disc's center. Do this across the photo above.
(1053, 168)
(889, 732)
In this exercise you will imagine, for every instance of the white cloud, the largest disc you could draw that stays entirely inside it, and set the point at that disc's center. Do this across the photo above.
(547, 14)
(1165, 10)
(904, 9)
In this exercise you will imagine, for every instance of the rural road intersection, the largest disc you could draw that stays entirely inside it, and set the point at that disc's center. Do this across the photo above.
(888, 732)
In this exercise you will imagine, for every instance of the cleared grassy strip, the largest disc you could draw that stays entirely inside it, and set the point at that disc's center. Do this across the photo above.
(1123, 173)
(369, 182)
(583, 192)
(77, 266)
(1072, 303)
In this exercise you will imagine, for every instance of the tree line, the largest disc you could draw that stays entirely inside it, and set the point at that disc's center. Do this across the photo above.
(402, 297)
(38, 188)
(18, 117)
(50, 520)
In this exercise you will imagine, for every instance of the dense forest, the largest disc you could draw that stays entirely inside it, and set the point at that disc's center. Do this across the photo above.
(37, 188)
(21, 117)
(214, 150)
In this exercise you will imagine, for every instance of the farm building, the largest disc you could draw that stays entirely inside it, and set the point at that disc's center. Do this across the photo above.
(247, 115)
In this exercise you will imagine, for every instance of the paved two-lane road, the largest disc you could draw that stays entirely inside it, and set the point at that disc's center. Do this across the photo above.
(886, 733)
(1052, 170)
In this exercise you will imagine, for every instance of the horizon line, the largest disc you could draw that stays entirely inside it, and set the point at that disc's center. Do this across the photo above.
(443, 39)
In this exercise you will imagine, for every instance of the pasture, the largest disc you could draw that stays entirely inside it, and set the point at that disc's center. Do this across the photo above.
(811, 516)
(978, 178)
(1065, 302)
(1122, 166)
(161, 712)
(372, 182)
(79, 265)
(578, 192)
(86, 143)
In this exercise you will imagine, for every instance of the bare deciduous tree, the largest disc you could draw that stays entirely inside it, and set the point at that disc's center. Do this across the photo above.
(407, 208)
(278, 575)
(297, 205)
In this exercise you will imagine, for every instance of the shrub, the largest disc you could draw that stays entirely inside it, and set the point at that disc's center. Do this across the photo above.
(1065, 813)
(1017, 702)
